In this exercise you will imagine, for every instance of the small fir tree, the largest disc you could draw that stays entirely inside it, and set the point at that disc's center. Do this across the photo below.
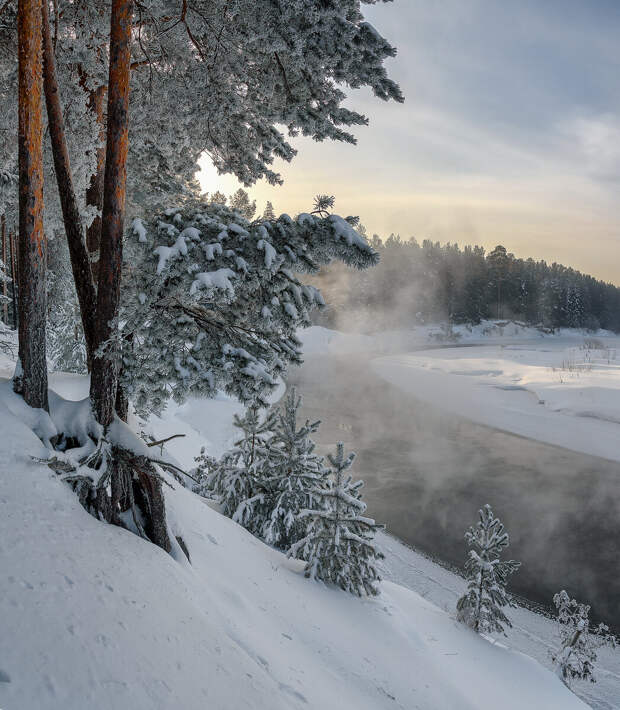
(577, 655)
(240, 201)
(338, 545)
(203, 474)
(292, 478)
(234, 477)
(269, 213)
(481, 607)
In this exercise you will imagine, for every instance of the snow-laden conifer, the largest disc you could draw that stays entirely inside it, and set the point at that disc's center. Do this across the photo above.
(338, 545)
(577, 653)
(292, 478)
(213, 302)
(234, 477)
(269, 213)
(481, 607)
(240, 202)
(203, 474)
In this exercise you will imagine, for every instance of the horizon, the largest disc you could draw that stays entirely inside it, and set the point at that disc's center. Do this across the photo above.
(509, 134)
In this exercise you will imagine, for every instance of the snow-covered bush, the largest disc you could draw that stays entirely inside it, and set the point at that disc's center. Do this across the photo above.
(576, 657)
(212, 302)
(338, 545)
(481, 607)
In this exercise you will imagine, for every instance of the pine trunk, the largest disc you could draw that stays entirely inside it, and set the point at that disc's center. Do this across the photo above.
(94, 193)
(104, 378)
(32, 381)
(5, 299)
(80, 262)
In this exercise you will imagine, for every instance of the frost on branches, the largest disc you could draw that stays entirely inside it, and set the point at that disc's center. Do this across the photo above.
(338, 545)
(293, 478)
(481, 607)
(576, 657)
(213, 302)
(234, 477)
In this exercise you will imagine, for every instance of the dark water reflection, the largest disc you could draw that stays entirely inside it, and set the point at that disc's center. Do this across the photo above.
(428, 472)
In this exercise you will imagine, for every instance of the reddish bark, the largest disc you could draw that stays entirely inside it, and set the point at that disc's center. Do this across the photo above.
(80, 262)
(94, 193)
(32, 242)
(104, 379)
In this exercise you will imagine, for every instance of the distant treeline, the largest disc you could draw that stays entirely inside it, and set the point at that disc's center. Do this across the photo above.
(421, 283)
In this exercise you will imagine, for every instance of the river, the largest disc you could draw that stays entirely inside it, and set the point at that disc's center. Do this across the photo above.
(427, 472)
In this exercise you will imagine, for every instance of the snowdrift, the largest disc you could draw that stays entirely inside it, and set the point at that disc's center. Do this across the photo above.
(92, 616)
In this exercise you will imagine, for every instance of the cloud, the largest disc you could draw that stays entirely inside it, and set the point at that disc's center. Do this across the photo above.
(510, 128)
(597, 145)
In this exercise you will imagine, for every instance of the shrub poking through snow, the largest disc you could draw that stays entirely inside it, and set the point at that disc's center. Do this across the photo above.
(481, 607)
(576, 657)
(338, 545)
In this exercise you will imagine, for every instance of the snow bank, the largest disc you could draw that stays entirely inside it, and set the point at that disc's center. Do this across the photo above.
(92, 616)
(318, 340)
(563, 390)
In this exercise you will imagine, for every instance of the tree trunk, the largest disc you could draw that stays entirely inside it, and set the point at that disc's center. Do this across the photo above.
(32, 380)
(80, 262)
(13, 278)
(104, 379)
(94, 193)
(5, 306)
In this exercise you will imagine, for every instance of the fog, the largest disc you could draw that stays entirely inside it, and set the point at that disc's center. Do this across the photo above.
(428, 472)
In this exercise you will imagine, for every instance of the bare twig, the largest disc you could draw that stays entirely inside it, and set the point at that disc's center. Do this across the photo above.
(163, 441)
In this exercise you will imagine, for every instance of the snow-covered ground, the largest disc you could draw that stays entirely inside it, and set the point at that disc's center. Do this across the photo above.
(531, 634)
(563, 390)
(92, 616)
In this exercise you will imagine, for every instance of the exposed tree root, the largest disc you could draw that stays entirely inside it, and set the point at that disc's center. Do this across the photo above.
(121, 488)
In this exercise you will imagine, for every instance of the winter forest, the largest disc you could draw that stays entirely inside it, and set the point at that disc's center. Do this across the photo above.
(186, 375)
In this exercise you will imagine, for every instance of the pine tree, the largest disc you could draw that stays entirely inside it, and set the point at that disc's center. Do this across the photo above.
(240, 201)
(577, 655)
(481, 606)
(203, 275)
(219, 198)
(269, 213)
(203, 474)
(31, 372)
(290, 479)
(234, 477)
(338, 544)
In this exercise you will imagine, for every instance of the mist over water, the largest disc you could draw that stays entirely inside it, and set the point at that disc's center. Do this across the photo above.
(428, 472)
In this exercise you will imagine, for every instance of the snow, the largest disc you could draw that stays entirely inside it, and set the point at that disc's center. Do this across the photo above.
(218, 279)
(93, 616)
(138, 228)
(559, 390)
(165, 253)
(270, 253)
(531, 634)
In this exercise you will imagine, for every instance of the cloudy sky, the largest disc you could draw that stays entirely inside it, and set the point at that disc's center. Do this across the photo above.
(510, 133)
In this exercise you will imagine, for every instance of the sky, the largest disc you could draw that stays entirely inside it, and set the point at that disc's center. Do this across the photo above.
(509, 134)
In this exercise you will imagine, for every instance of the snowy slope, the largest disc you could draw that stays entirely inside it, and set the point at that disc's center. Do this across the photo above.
(532, 634)
(91, 616)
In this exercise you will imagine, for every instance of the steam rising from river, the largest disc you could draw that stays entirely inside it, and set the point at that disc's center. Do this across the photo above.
(427, 473)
